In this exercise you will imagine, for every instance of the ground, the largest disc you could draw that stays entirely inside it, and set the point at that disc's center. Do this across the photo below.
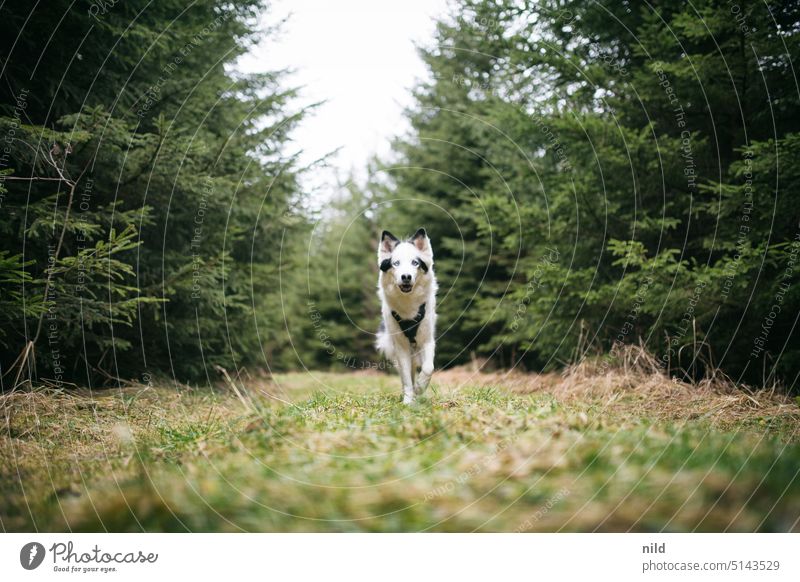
(588, 450)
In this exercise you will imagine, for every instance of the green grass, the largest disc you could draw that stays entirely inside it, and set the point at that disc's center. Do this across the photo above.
(347, 456)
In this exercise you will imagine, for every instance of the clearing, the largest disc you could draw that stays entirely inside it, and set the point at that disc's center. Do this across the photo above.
(623, 451)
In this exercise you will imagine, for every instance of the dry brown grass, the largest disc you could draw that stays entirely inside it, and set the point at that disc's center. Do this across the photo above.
(42, 428)
(634, 384)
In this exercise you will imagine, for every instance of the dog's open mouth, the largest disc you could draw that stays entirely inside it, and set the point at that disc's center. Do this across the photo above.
(406, 287)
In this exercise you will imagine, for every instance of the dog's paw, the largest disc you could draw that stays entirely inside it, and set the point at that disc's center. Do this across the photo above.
(422, 383)
(408, 399)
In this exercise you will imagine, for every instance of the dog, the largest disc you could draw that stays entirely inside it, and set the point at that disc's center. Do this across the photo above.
(407, 289)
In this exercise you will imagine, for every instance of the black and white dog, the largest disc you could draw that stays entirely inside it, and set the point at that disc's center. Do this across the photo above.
(407, 288)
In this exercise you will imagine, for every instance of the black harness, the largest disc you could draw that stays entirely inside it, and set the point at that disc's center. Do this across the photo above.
(409, 326)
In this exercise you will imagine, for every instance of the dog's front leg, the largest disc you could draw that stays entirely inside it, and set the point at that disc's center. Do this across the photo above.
(426, 369)
(404, 363)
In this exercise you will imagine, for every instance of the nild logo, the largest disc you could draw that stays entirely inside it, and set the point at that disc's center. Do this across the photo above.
(31, 555)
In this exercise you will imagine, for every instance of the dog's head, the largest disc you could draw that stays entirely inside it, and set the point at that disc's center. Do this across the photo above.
(406, 261)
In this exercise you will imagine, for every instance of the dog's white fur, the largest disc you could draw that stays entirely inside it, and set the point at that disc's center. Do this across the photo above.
(410, 259)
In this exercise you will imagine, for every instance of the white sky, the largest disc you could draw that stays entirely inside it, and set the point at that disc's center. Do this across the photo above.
(357, 55)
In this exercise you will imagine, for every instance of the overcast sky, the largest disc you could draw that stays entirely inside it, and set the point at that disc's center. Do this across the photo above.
(357, 55)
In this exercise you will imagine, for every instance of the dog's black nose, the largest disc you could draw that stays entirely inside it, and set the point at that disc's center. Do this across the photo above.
(406, 278)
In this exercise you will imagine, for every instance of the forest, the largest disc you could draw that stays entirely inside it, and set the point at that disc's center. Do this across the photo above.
(188, 327)
(592, 178)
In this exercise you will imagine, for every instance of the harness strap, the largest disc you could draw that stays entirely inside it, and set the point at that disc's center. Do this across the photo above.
(409, 326)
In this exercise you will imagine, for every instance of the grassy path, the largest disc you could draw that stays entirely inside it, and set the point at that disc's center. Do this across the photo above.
(488, 453)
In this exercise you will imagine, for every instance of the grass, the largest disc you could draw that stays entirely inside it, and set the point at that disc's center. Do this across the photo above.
(628, 450)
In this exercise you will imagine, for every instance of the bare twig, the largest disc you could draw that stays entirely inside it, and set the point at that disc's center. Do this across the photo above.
(29, 346)
(232, 384)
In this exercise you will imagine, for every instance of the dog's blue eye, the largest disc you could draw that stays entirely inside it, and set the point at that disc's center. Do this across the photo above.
(396, 263)
(415, 263)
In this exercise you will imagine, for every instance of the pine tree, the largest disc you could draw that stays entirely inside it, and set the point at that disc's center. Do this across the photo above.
(146, 189)
(609, 156)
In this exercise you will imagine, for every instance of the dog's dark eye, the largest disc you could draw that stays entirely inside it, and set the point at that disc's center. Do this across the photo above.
(396, 263)
(415, 263)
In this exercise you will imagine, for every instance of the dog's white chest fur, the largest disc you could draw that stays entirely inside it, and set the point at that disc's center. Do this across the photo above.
(407, 289)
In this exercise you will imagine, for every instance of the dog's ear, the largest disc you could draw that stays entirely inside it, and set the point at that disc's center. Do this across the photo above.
(421, 241)
(387, 244)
